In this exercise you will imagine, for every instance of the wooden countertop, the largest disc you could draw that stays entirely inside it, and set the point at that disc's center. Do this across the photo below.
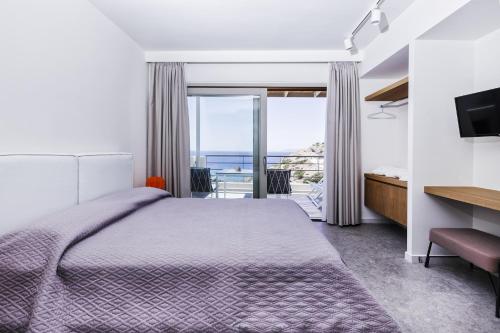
(477, 196)
(387, 180)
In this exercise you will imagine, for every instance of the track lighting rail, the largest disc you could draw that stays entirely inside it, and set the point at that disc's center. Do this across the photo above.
(349, 42)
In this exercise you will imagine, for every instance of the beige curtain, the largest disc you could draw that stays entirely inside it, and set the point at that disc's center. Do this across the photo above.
(168, 153)
(342, 184)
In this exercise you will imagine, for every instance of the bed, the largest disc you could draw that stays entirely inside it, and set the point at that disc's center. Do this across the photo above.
(138, 260)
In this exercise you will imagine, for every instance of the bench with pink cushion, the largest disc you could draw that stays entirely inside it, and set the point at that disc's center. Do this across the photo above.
(479, 248)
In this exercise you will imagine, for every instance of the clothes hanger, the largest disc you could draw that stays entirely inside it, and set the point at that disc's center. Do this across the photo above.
(386, 115)
(381, 115)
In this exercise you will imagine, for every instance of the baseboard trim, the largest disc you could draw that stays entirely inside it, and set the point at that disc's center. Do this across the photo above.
(420, 258)
(411, 258)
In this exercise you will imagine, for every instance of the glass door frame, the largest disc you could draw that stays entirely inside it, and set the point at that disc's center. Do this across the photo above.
(259, 129)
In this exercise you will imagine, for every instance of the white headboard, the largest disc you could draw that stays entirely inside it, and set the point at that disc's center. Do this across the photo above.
(34, 185)
(101, 174)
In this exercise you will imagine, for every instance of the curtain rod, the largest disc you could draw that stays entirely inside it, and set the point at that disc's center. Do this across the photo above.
(270, 86)
(255, 62)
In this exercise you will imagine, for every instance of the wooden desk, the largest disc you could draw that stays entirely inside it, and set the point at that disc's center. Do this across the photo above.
(477, 196)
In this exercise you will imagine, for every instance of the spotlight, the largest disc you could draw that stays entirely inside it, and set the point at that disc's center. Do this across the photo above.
(349, 43)
(376, 16)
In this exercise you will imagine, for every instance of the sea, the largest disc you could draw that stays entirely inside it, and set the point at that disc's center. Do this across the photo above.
(220, 160)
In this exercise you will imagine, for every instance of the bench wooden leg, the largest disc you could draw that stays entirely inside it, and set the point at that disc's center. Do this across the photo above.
(428, 255)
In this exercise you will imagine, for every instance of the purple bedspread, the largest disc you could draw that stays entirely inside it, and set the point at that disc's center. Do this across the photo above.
(140, 261)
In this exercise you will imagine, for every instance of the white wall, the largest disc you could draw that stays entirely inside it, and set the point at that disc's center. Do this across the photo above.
(439, 71)
(412, 23)
(446, 60)
(259, 74)
(383, 142)
(487, 150)
(70, 81)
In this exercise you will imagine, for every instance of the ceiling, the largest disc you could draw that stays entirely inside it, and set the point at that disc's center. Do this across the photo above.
(244, 24)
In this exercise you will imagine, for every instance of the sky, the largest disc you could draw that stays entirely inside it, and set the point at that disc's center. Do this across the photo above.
(226, 123)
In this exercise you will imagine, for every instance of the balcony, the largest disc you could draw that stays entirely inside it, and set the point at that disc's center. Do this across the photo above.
(229, 183)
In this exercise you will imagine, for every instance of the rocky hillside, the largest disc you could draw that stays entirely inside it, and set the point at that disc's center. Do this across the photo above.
(306, 164)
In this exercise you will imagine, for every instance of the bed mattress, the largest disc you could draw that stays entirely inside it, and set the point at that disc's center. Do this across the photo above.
(141, 261)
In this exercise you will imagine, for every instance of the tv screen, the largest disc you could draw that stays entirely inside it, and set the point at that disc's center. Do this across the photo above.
(479, 113)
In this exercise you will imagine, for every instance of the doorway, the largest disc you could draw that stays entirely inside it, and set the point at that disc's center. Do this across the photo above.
(295, 143)
(226, 127)
(258, 143)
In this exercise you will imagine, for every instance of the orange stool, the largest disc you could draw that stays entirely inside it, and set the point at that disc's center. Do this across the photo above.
(157, 182)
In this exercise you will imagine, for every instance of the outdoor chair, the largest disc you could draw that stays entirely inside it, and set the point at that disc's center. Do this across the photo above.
(316, 194)
(278, 182)
(201, 182)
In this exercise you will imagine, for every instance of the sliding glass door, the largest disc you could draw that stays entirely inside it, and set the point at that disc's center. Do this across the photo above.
(232, 130)
(295, 143)
(227, 126)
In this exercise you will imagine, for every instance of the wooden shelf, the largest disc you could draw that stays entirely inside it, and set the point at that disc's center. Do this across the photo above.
(477, 196)
(395, 92)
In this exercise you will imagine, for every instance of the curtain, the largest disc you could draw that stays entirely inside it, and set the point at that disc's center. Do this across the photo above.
(168, 150)
(342, 184)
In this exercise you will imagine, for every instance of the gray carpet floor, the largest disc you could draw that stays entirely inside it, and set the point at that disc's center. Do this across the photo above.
(446, 297)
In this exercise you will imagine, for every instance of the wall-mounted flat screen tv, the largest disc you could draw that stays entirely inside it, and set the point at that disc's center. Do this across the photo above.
(479, 113)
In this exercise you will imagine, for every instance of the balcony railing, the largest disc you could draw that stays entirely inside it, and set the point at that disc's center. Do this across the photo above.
(294, 162)
(306, 171)
(221, 162)
(305, 168)
(246, 161)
